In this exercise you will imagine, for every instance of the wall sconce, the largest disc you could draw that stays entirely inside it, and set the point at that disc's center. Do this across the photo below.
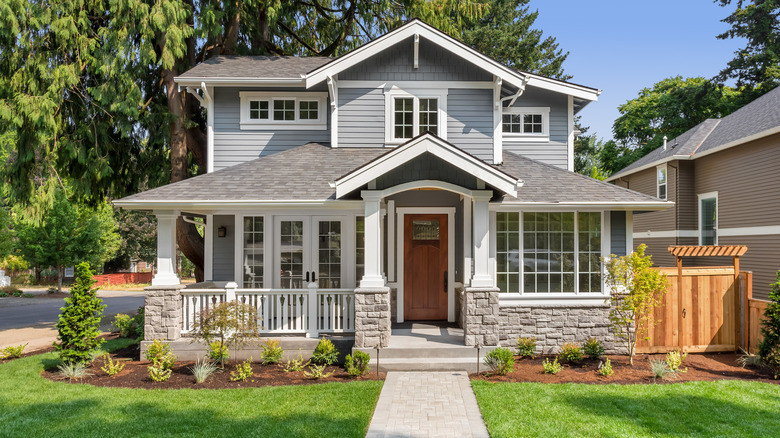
(222, 231)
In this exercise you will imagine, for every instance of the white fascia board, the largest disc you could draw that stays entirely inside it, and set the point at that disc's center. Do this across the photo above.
(738, 142)
(655, 163)
(579, 91)
(238, 81)
(620, 206)
(409, 151)
(211, 205)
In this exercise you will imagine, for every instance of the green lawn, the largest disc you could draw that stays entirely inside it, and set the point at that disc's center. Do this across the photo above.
(724, 408)
(33, 406)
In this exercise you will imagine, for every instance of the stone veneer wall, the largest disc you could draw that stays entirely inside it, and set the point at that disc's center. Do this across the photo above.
(552, 326)
(162, 313)
(480, 311)
(372, 317)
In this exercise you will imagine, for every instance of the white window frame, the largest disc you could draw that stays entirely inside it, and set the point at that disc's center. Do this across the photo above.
(658, 184)
(701, 197)
(543, 136)
(415, 95)
(319, 124)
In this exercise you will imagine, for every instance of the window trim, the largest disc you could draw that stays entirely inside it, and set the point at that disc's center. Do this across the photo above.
(658, 182)
(319, 124)
(700, 197)
(544, 136)
(415, 95)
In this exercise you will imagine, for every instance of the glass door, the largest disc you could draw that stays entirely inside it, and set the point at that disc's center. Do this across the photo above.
(291, 252)
(309, 249)
(329, 250)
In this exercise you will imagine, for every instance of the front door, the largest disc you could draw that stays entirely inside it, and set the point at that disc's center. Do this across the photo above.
(425, 267)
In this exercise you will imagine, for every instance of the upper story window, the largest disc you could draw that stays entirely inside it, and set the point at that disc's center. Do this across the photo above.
(525, 123)
(283, 110)
(708, 218)
(410, 116)
(661, 182)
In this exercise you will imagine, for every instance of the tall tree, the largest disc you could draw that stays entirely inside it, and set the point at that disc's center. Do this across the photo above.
(138, 233)
(6, 233)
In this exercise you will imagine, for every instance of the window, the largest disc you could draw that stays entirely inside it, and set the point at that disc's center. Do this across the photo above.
(661, 170)
(329, 257)
(360, 247)
(519, 122)
(283, 110)
(429, 115)
(404, 117)
(561, 252)
(253, 252)
(708, 219)
(410, 116)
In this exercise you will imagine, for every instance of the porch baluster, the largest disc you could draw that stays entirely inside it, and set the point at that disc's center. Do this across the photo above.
(313, 320)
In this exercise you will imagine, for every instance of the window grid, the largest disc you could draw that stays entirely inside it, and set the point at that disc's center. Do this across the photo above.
(508, 251)
(258, 109)
(589, 228)
(404, 117)
(512, 123)
(360, 247)
(284, 109)
(548, 252)
(532, 123)
(429, 115)
(253, 252)
(308, 110)
(291, 254)
(522, 123)
(329, 248)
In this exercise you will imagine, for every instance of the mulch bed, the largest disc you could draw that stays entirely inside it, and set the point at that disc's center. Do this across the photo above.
(700, 366)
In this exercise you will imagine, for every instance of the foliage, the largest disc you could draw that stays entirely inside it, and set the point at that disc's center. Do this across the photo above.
(79, 322)
(500, 361)
(325, 353)
(296, 364)
(769, 348)
(317, 372)
(12, 351)
(130, 326)
(202, 370)
(593, 348)
(271, 352)
(15, 267)
(6, 234)
(112, 368)
(674, 360)
(51, 290)
(357, 363)
(68, 234)
(158, 373)
(661, 370)
(243, 371)
(551, 367)
(159, 353)
(218, 352)
(138, 233)
(73, 370)
(526, 347)
(746, 359)
(605, 369)
(635, 290)
(570, 352)
(11, 290)
(231, 323)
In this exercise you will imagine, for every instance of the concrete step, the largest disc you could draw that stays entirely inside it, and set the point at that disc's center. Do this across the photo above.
(448, 352)
(441, 364)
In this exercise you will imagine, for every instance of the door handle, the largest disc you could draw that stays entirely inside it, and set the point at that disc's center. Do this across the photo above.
(446, 281)
(313, 276)
(307, 276)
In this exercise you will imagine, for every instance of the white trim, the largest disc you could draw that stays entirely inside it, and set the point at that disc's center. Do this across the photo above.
(238, 249)
(699, 198)
(468, 247)
(667, 234)
(209, 92)
(270, 124)
(498, 146)
(570, 135)
(390, 241)
(541, 137)
(416, 85)
(658, 170)
(450, 212)
(416, 51)
(749, 231)
(208, 249)
(201, 205)
(417, 147)
(555, 206)
(394, 92)
(588, 299)
(333, 92)
(239, 81)
(629, 232)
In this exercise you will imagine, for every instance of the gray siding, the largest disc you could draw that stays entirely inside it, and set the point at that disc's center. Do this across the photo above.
(554, 152)
(426, 166)
(470, 121)
(224, 249)
(361, 117)
(617, 232)
(397, 64)
(233, 146)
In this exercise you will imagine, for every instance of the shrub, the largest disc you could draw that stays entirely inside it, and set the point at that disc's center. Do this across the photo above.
(570, 352)
(526, 347)
(272, 352)
(317, 372)
(500, 361)
(325, 353)
(79, 323)
(202, 370)
(232, 323)
(769, 348)
(605, 369)
(551, 367)
(111, 368)
(11, 290)
(357, 364)
(51, 290)
(243, 371)
(593, 348)
(218, 351)
(674, 360)
(296, 364)
(17, 294)
(131, 326)
(28, 296)
(73, 370)
(661, 370)
(160, 354)
(12, 351)
(158, 373)
(749, 360)
(3, 295)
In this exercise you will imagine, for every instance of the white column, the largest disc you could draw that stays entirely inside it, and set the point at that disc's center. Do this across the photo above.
(208, 249)
(209, 129)
(166, 249)
(382, 216)
(373, 216)
(482, 276)
(467, 242)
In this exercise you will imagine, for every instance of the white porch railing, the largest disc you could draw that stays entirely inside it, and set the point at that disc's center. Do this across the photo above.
(280, 311)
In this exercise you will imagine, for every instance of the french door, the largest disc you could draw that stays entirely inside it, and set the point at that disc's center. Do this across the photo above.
(309, 249)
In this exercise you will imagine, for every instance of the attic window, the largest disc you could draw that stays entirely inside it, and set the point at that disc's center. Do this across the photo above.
(661, 182)
(409, 116)
(282, 111)
(531, 124)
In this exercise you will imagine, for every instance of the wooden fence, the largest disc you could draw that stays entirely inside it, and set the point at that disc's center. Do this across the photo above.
(123, 278)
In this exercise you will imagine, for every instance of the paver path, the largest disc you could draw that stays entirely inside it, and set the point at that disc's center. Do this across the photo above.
(427, 404)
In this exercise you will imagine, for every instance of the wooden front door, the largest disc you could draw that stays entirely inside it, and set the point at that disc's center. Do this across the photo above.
(425, 266)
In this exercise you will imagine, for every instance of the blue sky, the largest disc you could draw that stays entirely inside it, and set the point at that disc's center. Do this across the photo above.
(623, 46)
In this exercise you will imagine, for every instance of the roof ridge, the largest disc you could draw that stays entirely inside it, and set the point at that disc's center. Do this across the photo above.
(714, 125)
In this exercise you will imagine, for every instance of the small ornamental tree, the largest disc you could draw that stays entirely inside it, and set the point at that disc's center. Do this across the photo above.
(79, 323)
(635, 290)
(769, 348)
(231, 323)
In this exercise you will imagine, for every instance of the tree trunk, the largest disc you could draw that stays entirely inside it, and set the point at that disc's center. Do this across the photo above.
(60, 274)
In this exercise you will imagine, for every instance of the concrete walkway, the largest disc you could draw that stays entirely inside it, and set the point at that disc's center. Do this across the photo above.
(427, 404)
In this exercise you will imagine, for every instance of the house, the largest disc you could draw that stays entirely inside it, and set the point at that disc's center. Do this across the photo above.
(724, 177)
(410, 179)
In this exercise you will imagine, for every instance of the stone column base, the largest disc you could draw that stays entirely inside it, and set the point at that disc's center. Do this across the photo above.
(479, 308)
(162, 313)
(372, 317)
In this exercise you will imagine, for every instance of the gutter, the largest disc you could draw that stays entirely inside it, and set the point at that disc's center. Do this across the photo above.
(648, 166)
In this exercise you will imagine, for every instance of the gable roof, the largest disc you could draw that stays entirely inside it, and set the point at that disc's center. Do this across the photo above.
(252, 68)
(757, 119)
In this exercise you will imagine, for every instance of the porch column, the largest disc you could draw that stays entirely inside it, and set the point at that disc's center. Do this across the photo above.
(482, 275)
(373, 235)
(166, 249)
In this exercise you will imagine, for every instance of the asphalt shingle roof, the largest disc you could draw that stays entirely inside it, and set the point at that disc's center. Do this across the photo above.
(260, 67)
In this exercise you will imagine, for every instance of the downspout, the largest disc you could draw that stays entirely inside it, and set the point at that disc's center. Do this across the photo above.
(676, 202)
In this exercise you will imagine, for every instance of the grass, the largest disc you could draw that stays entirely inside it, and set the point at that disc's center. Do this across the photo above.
(33, 406)
(722, 408)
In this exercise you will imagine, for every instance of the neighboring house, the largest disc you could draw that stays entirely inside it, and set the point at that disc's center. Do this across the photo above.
(724, 177)
(410, 179)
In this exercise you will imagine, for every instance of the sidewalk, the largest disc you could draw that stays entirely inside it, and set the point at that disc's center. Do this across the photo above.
(427, 404)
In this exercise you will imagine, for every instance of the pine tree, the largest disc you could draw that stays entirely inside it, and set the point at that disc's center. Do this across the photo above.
(769, 348)
(79, 324)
